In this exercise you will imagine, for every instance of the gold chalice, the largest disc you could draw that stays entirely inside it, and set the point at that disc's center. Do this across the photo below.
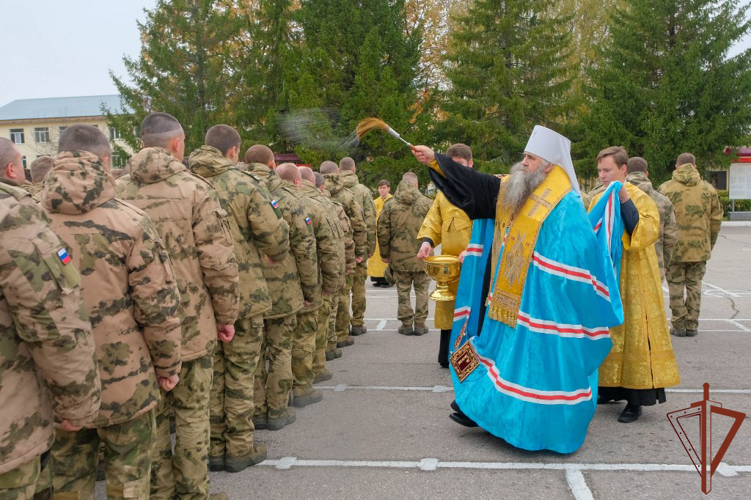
(443, 269)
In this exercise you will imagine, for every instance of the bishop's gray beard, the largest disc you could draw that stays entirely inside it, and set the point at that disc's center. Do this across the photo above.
(519, 186)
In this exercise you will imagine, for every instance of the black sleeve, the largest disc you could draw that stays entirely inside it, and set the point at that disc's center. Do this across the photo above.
(630, 216)
(428, 240)
(466, 188)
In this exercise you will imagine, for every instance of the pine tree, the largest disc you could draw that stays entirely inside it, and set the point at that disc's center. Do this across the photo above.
(182, 68)
(508, 70)
(667, 84)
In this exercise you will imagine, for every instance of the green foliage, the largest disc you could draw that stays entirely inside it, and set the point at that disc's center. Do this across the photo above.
(508, 71)
(666, 84)
(726, 202)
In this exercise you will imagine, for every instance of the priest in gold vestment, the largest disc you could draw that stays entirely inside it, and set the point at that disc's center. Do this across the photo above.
(376, 266)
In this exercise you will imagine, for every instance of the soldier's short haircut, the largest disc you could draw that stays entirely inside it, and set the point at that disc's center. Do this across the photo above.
(157, 129)
(619, 154)
(459, 150)
(223, 138)
(384, 182)
(410, 177)
(320, 181)
(40, 167)
(347, 164)
(85, 138)
(684, 158)
(636, 164)
(329, 167)
(287, 171)
(8, 153)
(258, 153)
(307, 174)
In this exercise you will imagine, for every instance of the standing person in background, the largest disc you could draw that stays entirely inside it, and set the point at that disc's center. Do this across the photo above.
(186, 212)
(448, 226)
(699, 215)
(398, 225)
(130, 291)
(376, 266)
(348, 173)
(638, 175)
(39, 169)
(260, 235)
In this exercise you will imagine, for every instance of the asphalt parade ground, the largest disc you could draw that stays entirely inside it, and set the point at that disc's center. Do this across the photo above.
(382, 429)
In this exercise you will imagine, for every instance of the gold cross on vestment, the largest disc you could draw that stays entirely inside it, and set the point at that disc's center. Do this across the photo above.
(540, 201)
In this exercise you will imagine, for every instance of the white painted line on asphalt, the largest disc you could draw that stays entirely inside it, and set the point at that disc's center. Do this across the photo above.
(727, 320)
(722, 290)
(742, 327)
(431, 464)
(578, 485)
(381, 324)
(443, 388)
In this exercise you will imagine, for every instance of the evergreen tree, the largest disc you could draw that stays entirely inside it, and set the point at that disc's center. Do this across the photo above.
(667, 85)
(508, 68)
(182, 69)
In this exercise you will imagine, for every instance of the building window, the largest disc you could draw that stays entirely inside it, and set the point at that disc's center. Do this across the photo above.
(114, 134)
(23, 161)
(16, 135)
(61, 130)
(42, 135)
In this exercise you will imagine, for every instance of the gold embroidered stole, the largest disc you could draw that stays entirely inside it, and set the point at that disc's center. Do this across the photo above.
(515, 239)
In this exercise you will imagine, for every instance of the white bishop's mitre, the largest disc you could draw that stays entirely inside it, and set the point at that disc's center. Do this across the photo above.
(553, 147)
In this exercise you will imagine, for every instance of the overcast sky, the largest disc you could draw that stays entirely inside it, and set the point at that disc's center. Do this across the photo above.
(61, 48)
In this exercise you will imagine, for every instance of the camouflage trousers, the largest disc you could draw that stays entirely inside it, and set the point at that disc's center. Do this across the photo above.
(358, 294)
(303, 350)
(20, 483)
(184, 473)
(272, 385)
(342, 310)
(404, 283)
(331, 333)
(127, 459)
(684, 282)
(322, 335)
(231, 406)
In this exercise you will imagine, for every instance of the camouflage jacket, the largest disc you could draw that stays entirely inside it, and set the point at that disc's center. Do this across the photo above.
(398, 226)
(33, 189)
(354, 211)
(293, 279)
(128, 284)
(365, 198)
(698, 212)
(668, 226)
(329, 236)
(255, 224)
(193, 226)
(47, 353)
(349, 243)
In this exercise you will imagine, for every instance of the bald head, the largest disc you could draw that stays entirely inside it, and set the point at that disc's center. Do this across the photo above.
(258, 153)
(410, 177)
(158, 129)
(320, 181)
(224, 138)
(328, 167)
(11, 166)
(40, 167)
(288, 172)
(347, 164)
(636, 164)
(307, 174)
(85, 138)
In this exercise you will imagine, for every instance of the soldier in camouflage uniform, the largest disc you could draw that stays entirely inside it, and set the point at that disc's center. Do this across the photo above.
(354, 211)
(329, 249)
(260, 236)
(364, 197)
(398, 226)
(699, 215)
(11, 165)
(131, 294)
(189, 219)
(39, 169)
(292, 283)
(638, 175)
(46, 336)
(588, 197)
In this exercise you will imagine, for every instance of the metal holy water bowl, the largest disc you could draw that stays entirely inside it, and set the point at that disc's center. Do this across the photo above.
(444, 269)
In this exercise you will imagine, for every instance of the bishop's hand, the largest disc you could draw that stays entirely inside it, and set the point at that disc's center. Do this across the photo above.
(423, 154)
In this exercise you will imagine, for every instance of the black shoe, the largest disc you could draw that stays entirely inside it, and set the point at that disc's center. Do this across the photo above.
(376, 283)
(462, 419)
(603, 401)
(631, 413)
(692, 333)
(444, 365)
(358, 330)
(455, 406)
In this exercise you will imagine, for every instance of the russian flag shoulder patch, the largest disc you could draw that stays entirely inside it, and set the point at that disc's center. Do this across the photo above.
(62, 254)
(274, 204)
